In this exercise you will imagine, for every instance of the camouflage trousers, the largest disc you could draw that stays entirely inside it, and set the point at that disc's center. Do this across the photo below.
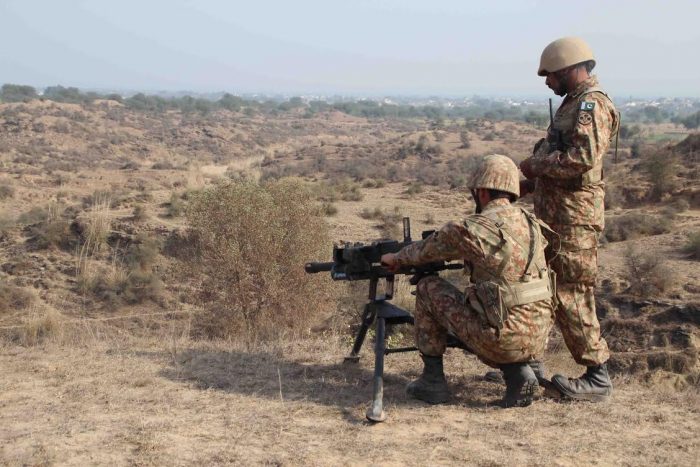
(440, 308)
(574, 257)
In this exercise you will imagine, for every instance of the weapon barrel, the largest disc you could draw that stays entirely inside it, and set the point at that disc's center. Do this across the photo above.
(313, 268)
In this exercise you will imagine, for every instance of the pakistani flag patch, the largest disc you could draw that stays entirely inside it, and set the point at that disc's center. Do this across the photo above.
(587, 106)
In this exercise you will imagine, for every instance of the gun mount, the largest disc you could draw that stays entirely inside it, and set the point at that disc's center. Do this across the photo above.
(359, 261)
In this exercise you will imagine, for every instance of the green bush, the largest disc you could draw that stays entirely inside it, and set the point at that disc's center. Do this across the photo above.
(252, 243)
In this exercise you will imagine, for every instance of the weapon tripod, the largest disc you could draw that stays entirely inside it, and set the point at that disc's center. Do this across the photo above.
(380, 312)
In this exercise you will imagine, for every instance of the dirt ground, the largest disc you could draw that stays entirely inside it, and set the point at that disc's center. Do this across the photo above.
(119, 401)
(82, 382)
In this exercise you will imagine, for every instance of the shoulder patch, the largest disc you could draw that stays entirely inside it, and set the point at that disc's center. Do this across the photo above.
(587, 106)
(584, 118)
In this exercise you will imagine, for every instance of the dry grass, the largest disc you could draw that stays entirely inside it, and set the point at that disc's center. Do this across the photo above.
(167, 400)
(116, 390)
(648, 273)
(38, 324)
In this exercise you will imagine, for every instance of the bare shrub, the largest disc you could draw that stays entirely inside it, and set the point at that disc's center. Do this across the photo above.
(464, 139)
(329, 209)
(53, 233)
(692, 246)
(175, 206)
(7, 223)
(33, 216)
(368, 213)
(6, 191)
(414, 188)
(41, 323)
(660, 168)
(252, 242)
(126, 279)
(14, 298)
(679, 205)
(634, 225)
(389, 226)
(139, 214)
(648, 273)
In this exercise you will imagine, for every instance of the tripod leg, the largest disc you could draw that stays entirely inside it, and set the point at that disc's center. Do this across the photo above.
(367, 319)
(376, 412)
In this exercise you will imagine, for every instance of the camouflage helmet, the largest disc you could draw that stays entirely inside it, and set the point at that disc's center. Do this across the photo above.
(563, 53)
(496, 172)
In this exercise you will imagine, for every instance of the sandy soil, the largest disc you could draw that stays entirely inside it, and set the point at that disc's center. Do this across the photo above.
(175, 402)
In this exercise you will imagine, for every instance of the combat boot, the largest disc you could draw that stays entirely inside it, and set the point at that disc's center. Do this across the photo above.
(521, 384)
(536, 365)
(594, 385)
(431, 387)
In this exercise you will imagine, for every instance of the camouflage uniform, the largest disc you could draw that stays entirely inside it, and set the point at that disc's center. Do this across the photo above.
(495, 243)
(568, 196)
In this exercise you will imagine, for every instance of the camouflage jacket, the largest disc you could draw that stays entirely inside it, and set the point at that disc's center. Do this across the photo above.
(569, 164)
(480, 242)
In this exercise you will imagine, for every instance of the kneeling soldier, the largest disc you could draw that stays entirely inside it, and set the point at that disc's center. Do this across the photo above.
(505, 314)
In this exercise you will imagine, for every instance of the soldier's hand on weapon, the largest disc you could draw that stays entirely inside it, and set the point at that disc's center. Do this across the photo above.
(389, 262)
(526, 168)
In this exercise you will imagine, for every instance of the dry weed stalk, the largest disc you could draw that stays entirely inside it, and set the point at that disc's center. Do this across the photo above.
(99, 224)
(41, 322)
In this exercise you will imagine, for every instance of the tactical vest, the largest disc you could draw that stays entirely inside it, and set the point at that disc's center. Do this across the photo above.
(490, 294)
(560, 139)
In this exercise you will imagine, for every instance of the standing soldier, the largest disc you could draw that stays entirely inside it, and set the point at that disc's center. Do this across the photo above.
(566, 172)
(505, 315)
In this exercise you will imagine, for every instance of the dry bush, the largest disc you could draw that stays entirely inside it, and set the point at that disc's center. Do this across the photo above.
(7, 223)
(329, 209)
(127, 279)
(39, 324)
(414, 188)
(6, 191)
(634, 225)
(648, 273)
(391, 226)
(139, 214)
(33, 216)
(374, 183)
(368, 213)
(692, 247)
(252, 243)
(660, 167)
(54, 233)
(679, 205)
(13, 298)
(175, 206)
(98, 224)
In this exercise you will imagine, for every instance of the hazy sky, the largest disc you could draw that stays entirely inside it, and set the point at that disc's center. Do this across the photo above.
(424, 47)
